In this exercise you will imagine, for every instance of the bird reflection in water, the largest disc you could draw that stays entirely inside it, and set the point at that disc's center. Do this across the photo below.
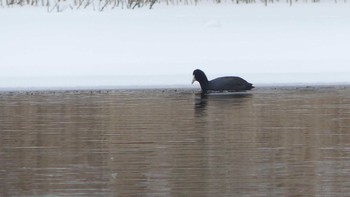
(236, 98)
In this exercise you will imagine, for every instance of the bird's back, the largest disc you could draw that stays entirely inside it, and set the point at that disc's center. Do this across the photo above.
(229, 84)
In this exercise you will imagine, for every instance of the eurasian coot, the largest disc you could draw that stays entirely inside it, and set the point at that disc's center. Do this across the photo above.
(230, 84)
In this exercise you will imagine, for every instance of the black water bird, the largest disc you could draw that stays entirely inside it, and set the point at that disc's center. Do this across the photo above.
(230, 84)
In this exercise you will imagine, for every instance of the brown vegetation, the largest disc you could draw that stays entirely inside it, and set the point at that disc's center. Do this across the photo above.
(61, 5)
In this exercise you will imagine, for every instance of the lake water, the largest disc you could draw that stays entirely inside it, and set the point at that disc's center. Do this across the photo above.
(283, 141)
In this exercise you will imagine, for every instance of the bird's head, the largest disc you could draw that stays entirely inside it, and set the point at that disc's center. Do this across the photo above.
(199, 76)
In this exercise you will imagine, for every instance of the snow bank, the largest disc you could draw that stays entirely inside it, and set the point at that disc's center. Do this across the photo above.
(305, 43)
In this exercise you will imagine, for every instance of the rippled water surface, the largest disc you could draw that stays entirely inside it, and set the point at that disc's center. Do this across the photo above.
(267, 142)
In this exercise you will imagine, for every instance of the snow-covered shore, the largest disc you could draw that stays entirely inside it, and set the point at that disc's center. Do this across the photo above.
(277, 44)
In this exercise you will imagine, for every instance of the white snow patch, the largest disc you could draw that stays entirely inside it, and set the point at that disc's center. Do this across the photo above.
(213, 23)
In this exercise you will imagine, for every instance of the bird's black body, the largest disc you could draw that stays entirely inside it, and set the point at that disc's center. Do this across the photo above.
(230, 84)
